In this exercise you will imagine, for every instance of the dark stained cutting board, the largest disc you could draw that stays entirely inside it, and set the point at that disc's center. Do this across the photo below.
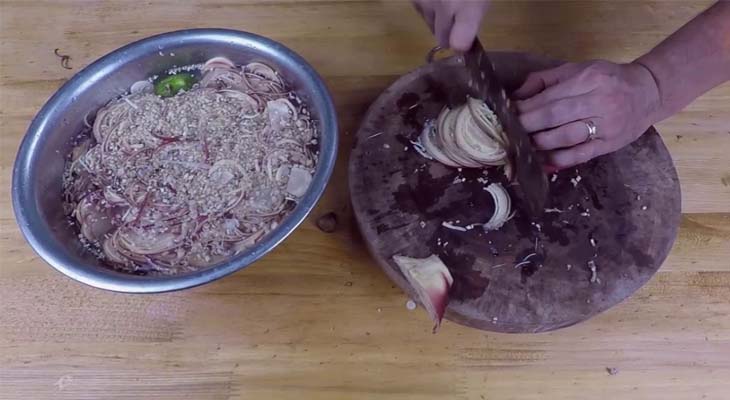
(627, 202)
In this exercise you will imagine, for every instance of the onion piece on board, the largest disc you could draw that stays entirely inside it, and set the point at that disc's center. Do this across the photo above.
(447, 140)
(502, 206)
(486, 120)
(467, 136)
(431, 280)
(428, 137)
(509, 171)
(474, 142)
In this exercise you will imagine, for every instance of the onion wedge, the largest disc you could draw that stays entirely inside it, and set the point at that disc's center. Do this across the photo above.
(431, 280)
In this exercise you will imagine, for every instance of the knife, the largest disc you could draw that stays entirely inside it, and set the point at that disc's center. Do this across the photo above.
(484, 84)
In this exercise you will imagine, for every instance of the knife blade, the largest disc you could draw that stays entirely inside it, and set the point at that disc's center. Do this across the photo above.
(484, 84)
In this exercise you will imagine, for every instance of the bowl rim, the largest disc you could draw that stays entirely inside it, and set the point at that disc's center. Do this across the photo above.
(37, 234)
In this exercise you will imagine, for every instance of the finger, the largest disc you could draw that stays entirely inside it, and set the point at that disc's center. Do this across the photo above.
(536, 82)
(567, 135)
(575, 155)
(466, 27)
(559, 112)
(571, 87)
(442, 28)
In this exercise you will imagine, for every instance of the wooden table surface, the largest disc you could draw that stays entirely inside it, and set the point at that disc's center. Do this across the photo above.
(316, 318)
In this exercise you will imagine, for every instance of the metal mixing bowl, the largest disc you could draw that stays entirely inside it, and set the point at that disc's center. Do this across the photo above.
(37, 174)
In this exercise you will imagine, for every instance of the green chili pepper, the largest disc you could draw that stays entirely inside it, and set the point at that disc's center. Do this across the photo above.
(173, 84)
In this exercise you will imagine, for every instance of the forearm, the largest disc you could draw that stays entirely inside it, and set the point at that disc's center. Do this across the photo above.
(691, 61)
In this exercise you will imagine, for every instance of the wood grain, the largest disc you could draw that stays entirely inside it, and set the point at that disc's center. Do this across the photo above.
(316, 318)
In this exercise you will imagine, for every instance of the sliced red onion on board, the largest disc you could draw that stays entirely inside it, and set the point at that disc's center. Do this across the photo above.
(468, 136)
(487, 121)
(446, 129)
(431, 280)
(477, 143)
(502, 207)
(428, 141)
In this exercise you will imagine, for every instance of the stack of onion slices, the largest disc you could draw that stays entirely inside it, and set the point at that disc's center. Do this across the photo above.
(466, 136)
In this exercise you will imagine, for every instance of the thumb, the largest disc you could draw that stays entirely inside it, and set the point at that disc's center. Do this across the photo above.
(538, 81)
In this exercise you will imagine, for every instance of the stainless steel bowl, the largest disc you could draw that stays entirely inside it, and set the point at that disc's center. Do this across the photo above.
(39, 165)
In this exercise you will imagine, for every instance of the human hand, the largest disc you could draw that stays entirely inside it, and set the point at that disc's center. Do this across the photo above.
(620, 100)
(454, 22)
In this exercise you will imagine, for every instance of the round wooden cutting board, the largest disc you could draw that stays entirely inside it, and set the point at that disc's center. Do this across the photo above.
(609, 226)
